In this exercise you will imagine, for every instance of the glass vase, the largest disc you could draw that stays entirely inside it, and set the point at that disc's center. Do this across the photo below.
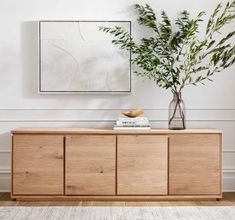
(176, 113)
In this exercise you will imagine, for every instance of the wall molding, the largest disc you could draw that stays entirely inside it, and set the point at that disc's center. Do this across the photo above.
(5, 170)
(101, 120)
(229, 170)
(112, 109)
(108, 115)
(227, 150)
(5, 151)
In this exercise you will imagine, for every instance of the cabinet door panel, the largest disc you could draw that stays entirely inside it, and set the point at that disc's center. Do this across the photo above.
(37, 165)
(90, 164)
(195, 164)
(142, 165)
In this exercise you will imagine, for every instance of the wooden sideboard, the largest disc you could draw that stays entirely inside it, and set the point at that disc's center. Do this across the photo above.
(95, 164)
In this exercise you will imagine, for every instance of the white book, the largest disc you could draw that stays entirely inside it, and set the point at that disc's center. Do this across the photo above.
(131, 128)
(132, 123)
(137, 119)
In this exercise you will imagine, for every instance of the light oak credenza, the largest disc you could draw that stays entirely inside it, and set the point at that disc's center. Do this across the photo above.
(95, 164)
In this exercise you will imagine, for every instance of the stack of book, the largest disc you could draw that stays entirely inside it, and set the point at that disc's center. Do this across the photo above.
(132, 123)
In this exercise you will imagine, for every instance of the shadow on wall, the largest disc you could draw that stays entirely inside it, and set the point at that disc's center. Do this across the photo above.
(29, 54)
(29, 58)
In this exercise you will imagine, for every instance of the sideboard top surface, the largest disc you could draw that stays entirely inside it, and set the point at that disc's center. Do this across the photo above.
(110, 131)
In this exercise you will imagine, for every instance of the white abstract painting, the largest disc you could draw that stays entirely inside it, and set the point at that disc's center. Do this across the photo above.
(74, 56)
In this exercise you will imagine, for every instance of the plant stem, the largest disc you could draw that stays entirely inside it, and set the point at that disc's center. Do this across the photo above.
(180, 109)
(173, 115)
(182, 116)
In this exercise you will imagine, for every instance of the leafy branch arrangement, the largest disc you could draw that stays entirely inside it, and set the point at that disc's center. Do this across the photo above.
(178, 58)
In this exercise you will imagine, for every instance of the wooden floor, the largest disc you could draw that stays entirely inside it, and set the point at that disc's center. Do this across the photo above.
(228, 200)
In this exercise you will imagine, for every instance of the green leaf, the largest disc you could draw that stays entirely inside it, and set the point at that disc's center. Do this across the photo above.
(230, 35)
(174, 57)
(210, 22)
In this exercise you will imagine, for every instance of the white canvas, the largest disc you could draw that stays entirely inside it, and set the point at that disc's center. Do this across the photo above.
(76, 57)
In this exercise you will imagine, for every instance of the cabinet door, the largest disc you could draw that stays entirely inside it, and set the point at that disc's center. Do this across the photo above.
(90, 164)
(142, 165)
(37, 165)
(195, 164)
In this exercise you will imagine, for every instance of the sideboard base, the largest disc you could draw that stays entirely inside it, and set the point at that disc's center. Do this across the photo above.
(118, 198)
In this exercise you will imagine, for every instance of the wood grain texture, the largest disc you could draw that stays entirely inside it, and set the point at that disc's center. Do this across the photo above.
(195, 164)
(90, 165)
(37, 165)
(109, 131)
(135, 167)
(142, 165)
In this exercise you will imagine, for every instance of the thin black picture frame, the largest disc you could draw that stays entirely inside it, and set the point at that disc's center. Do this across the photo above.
(81, 92)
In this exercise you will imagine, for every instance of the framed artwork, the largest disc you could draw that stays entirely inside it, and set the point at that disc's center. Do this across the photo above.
(76, 57)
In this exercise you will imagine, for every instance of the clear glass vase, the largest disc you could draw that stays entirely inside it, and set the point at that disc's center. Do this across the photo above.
(176, 113)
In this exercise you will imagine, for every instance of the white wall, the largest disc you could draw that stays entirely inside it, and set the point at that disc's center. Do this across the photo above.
(208, 106)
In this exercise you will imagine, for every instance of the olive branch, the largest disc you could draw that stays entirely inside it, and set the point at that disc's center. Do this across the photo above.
(175, 59)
